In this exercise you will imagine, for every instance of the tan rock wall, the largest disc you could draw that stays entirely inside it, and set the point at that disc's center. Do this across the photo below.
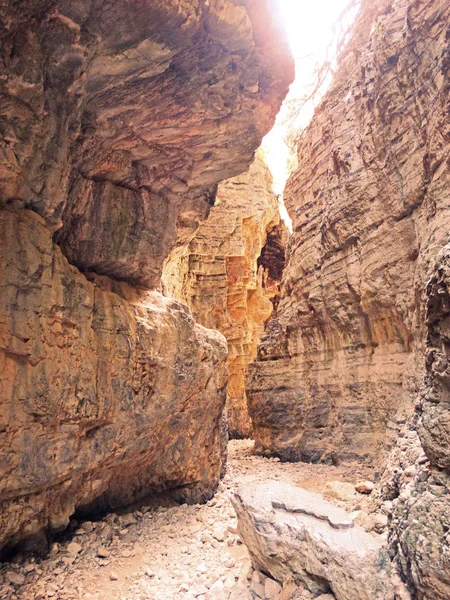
(117, 122)
(370, 208)
(106, 397)
(227, 282)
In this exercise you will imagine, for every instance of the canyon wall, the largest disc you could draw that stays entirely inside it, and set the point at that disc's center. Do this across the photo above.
(229, 274)
(117, 122)
(419, 529)
(340, 366)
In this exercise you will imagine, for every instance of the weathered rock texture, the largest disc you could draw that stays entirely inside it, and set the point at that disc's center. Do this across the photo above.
(107, 394)
(370, 208)
(229, 275)
(117, 121)
(420, 526)
(291, 531)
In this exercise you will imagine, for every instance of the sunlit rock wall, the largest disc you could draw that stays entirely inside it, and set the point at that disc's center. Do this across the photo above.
(229, 275)
(117, 122)
(343, 360)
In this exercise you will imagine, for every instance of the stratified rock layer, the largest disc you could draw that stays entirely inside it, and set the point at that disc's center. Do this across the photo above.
(370, 208)
(420, 526)
(229, 274)
(106, 397)
(291, 531)
(117, 122)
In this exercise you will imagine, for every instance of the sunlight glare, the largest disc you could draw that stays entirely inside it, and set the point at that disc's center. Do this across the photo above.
(311, 30)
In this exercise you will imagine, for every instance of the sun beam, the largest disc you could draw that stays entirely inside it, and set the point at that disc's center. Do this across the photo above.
(311, 30)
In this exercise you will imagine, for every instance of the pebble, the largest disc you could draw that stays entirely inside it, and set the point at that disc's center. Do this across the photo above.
(103, 552)
(271, 589)
(74, 548)
(364, 487)
(15, 578)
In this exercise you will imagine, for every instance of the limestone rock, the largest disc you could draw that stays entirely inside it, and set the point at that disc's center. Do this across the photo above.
(289, 530)
(419, 531)
(108, 394)
(118, 123)
(369, 201)
(364, 487)
(229, 275)
(339, 490)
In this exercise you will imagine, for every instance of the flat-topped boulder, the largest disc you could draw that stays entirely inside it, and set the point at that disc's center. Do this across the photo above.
(290, 530)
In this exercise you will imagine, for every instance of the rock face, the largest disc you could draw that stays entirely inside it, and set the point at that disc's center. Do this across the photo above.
(107, 394)
(421, 520)
(117, 123)
(369, 201)
(289, 530)
(229, 275)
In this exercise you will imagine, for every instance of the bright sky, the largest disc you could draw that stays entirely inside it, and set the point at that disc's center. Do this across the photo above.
(311, 29)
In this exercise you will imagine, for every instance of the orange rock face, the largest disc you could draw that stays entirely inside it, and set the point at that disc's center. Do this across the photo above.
(229, 275)
(369, 201)
(107, 394)
(117, 123)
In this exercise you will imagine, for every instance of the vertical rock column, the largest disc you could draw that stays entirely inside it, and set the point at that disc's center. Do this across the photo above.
(229, 275)
(420, 526)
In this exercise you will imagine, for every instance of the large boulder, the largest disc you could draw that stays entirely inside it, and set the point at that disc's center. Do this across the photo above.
(290, 530)
(108, 394)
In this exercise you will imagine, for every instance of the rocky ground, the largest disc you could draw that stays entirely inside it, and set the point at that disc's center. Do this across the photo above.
(177, 552)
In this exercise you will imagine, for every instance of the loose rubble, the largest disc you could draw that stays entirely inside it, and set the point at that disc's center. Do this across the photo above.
(171, 552)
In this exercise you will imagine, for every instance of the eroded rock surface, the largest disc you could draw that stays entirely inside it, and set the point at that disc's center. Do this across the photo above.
(421, 518)
(117, 122)
(229, 275)
(290, 530)
(369, 201)
(106, 397)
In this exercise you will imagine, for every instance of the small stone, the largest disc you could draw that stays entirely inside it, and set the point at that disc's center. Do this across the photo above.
(126, 553)
(103, 552)
(127, 520)
(241, 592)
(15, 578)
(339, 490)
(149, 572)
(219, 534)
(73, 548)
(272, 589)
(229, 582)
(113, 576)
(29, 568)
(364, 487)
(202, 568)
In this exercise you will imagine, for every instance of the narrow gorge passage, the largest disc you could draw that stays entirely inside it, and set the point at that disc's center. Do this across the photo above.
(159, 298)
(177, 552)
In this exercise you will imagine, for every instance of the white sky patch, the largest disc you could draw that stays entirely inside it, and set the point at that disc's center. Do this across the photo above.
(311, 29)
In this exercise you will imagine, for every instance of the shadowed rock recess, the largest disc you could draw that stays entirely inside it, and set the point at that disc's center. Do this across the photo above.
(340, 365)
(117, 122)
(229, 275)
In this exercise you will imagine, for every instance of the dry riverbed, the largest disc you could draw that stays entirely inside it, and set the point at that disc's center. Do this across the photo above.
(172, 552)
